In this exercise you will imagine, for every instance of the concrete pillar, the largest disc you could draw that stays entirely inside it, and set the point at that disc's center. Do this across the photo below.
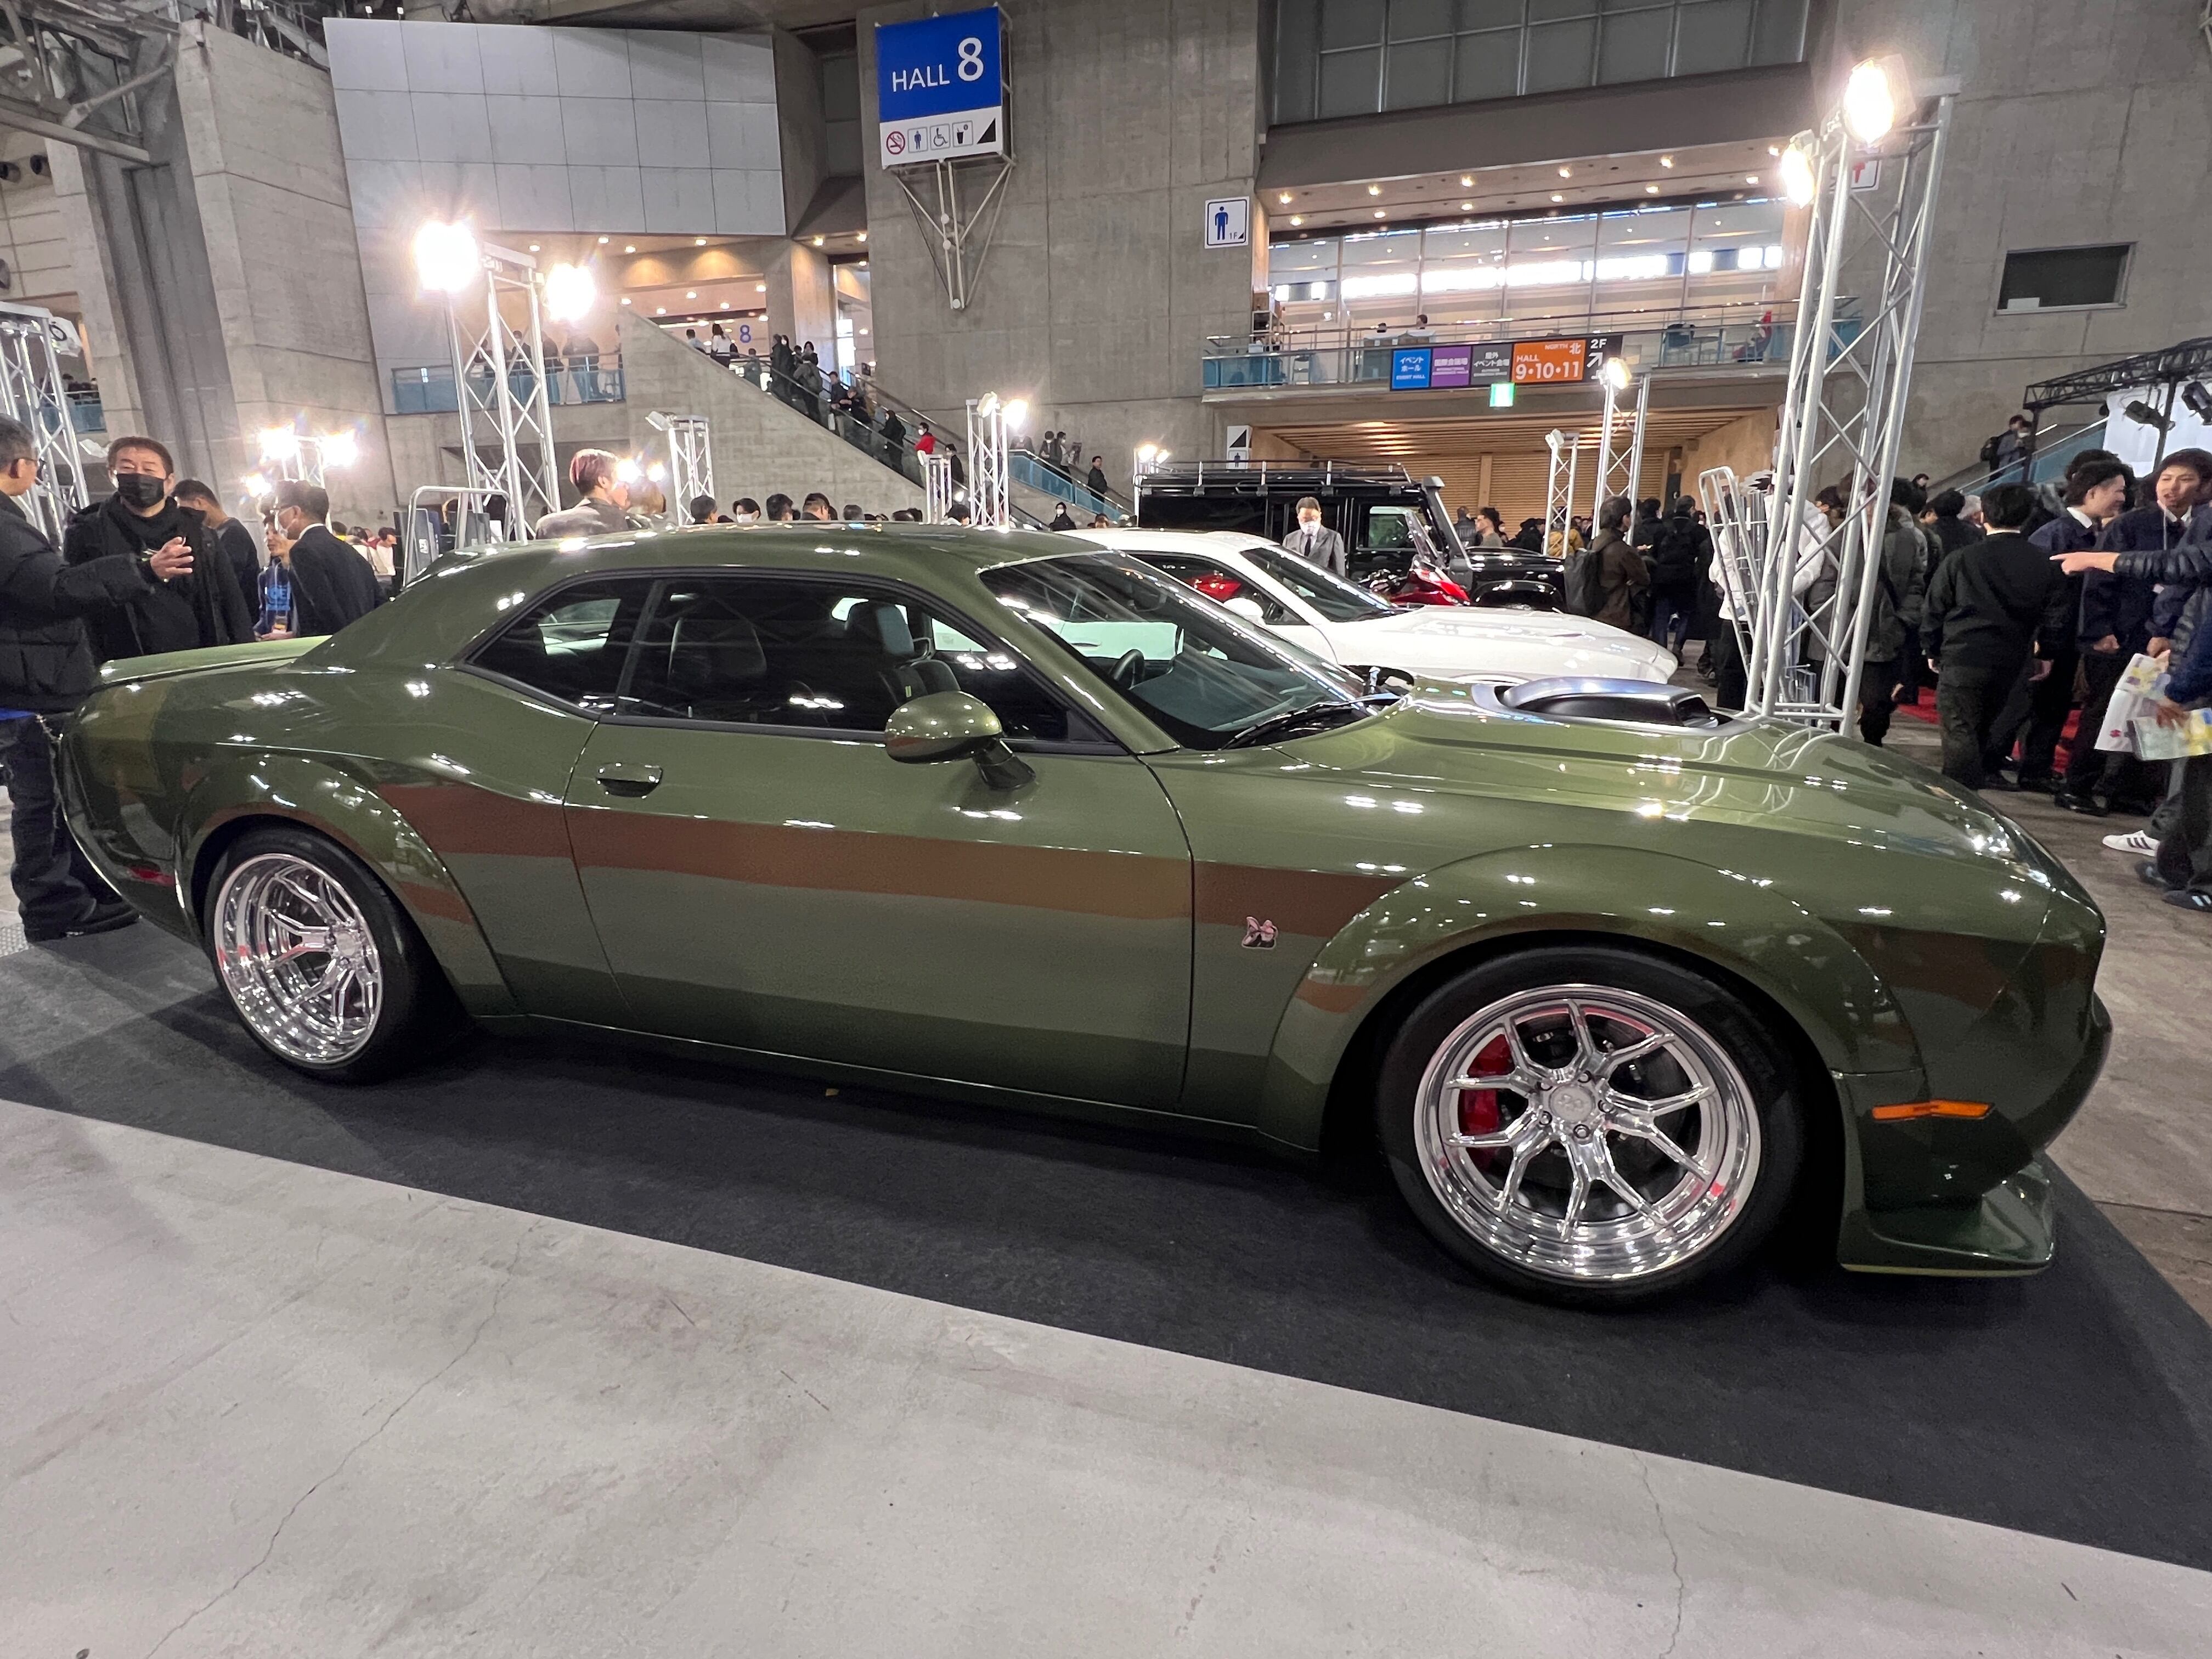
(800, 300)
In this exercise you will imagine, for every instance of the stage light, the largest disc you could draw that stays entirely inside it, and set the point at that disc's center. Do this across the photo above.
(340, 448)
(2198, 400)
(1798, 175)
(446, 257)
(2143, 414)
(1614, 373)
(279, 443)
(1016, 415)
(570, 292)
(1870, 99)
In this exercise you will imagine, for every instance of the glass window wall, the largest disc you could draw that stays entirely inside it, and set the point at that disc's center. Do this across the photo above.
(1341, 58)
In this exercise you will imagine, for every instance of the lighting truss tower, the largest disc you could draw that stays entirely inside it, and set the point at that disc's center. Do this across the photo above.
(1619, 442)
(1843, 410)
(690, 459)
(494, 328)
(1559, 483)
(986, 461)
(936, 488)
(32, 391)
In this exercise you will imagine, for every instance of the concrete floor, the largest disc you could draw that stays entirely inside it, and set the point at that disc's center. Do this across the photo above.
(254, 1407)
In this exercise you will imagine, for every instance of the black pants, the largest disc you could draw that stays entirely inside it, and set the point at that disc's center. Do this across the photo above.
(2185, 853)
(1969, 704)
(2089, 768)
(1729, 688)
(55, 888)
(1911, 668)
(2049, 701)
(1877, 699)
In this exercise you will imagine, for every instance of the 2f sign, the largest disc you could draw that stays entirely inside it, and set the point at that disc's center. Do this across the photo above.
(1229, 223)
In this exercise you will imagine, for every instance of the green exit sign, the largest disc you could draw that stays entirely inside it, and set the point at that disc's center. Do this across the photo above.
(1501, 394)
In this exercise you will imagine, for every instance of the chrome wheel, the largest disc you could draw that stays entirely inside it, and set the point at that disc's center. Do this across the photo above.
(297, 956)
(1586, 1133)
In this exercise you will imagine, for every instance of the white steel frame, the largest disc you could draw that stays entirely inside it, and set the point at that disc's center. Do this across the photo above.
(690, 459)
(473, 499)
(988, 461)
(32, 391)
(491, 352)
(1842, 409)
(936, 488)
(1559, 483)
(1620, 447)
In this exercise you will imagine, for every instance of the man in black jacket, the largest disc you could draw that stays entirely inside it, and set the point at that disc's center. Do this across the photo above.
(2097, 486)
(203, 608)
(1680, 552)
(1988, 608)
(232, 538)
(46, 669)
(331, 583)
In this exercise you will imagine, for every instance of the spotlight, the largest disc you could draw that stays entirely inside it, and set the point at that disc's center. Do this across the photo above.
(2143, 414)
(1016, 415)
(988, 404)
(1614, 373)
(256, 485)
(2198, 399)
(570, 291)
(279, 443)
(446, 257)
(341, 448)
(1870, 98)
(1797, 176)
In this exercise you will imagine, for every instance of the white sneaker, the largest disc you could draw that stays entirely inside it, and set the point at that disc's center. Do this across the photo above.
(2139, 842)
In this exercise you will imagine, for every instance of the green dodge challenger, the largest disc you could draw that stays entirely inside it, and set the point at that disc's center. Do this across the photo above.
(1616, 981)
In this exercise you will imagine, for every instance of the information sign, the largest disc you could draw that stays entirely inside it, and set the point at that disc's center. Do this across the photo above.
(1549, 362)
(940, 88)
(1229, 221)
(1409, 368)
(1448, 367)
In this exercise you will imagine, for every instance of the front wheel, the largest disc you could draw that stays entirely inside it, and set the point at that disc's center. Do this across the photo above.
(1590, 1125)
(322, 966)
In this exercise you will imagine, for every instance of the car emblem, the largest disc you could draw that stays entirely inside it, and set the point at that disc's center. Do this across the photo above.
(1259, 935)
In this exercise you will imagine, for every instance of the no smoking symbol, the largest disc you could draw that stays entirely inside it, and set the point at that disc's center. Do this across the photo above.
(895, 142)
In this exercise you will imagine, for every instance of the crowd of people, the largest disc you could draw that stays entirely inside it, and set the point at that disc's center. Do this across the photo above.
(156, 566)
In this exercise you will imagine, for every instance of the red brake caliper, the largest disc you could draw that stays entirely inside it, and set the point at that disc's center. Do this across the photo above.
(1479, 1113)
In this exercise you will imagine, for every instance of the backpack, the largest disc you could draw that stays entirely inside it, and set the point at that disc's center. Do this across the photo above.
(1585, 588)
(1674, 554)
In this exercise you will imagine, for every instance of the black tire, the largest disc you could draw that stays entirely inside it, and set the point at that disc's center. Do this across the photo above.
(416, 1015)
(1757, 1112)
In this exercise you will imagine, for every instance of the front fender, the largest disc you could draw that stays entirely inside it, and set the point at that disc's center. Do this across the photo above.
(1748, 929)
(322, 796)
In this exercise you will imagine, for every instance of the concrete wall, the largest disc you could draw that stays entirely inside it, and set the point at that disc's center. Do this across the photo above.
(32, 237)
(2075, 125)
(1126, 117)
(1746, 444)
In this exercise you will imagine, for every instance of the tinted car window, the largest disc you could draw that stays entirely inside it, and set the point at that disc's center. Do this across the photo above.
(572, 645)
(1324, 590)
(769, 650)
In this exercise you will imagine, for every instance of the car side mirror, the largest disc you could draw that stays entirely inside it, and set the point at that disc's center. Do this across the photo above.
(1248, 609)
(953, 726)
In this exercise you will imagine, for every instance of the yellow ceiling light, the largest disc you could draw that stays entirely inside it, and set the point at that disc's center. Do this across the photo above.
(1559, 198)
(1285, 198)
(1466, 181)
(1374, 190)
(1666, 160)
(1467, 206)
(1566, 173)
(1651, 190)
(1297, 219)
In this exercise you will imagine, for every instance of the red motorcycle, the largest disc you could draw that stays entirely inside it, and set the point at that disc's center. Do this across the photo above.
(1421, 582)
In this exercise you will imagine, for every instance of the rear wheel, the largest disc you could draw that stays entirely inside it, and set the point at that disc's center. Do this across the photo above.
(320, 964)
(1590, 1125)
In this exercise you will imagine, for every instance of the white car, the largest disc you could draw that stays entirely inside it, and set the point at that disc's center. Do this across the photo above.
(1342, 622)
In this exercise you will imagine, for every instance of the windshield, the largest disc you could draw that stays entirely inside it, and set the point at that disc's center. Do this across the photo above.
(1198, 671)
(1337, 599)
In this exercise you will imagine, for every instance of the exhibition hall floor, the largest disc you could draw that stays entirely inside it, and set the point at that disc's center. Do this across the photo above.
(559, 1348)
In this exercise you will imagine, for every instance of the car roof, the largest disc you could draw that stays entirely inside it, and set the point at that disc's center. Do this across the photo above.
(1173, 541)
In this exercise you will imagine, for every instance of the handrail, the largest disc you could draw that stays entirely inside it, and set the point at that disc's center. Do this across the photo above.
(588, 378)
(2050, 462)
(1028, 467)
(1527, 325)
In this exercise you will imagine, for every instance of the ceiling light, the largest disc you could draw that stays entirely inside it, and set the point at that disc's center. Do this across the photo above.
(1566, 173)
(1466, 181)
(726, 305)
(759, 287)
(1651, 190)
(1751, 178)
(625, 299)
(1467, 206)
(1380, 214)
(603, 241)
(698, 241)
(1774, 149)
(533, 248)
(691, 292)
(1374, 190)
(628, 247)
(1285, 198)
(862, 237)
(1559, 198)
(1297, 219)
(1666, 160)
(819, 240)
(660, 311)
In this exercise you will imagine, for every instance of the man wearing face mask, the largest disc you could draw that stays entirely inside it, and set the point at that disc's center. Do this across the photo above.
(332, 584)
(180, 613)
(46, 668)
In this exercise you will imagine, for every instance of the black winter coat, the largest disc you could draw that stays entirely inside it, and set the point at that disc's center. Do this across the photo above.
(186, 613)
(331, 584)
(46, 664)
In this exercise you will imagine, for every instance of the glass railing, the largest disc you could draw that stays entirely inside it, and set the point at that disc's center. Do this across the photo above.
(86, 412)
(427, 388)
(1032, 469)
(2054, 454)
(1485, 352)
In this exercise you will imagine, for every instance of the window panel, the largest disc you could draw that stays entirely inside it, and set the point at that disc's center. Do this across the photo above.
(1297, 45)
(2064, 277)
(1713, 34)
(1777, 35)
(1541, 11)
(1633, 46)
(1488, 66)
(1560, 56)
(1350, 84)
(1419, 74)
(573, 646)
(1420, 19)
(1350, 23)
(1489, 14)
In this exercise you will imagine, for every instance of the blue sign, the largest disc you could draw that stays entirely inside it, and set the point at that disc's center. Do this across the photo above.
(940, 88)
(1409, 369)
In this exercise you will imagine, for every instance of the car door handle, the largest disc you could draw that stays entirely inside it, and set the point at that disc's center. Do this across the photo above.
(621, 778)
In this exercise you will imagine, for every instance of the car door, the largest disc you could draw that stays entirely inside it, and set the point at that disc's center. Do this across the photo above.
(763, 874)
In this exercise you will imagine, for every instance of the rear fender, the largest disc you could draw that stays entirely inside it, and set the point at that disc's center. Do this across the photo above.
(320, 796)
(1749, 931)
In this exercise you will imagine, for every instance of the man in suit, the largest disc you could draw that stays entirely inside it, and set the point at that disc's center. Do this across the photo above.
(1313, 540)
(331, 583)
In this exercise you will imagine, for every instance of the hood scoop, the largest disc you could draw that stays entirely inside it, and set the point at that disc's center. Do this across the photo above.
(1634, 703)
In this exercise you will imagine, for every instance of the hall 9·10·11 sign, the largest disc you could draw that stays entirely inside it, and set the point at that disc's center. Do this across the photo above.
(940, 88)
